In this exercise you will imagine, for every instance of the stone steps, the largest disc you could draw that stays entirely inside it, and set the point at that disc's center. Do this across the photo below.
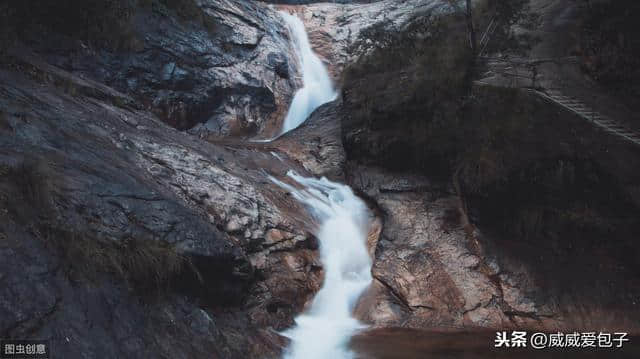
(486, 37)
(591, 115)
(517, 69)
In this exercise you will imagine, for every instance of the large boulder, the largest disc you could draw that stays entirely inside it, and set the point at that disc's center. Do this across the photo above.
(317, 143)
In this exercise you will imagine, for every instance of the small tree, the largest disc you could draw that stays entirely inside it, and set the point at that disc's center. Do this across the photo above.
(470, 29)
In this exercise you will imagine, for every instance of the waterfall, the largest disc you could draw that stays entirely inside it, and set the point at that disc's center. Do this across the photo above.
(316, 83)
(325, 329)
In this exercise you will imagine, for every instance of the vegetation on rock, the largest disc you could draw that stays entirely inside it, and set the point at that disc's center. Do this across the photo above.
(611, 45)
(544, 183)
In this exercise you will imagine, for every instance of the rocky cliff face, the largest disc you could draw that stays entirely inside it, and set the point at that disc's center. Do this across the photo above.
(148, 240)
(493, 200)
(142, 240)
(125, 235)
(210, 67)
(341, 33)
(511, 258)
(104, 203)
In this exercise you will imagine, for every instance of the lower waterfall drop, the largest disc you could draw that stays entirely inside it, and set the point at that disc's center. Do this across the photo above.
(325, 329)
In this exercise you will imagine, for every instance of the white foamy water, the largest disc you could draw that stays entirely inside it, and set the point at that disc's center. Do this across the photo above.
(324, 331)
(317, 88)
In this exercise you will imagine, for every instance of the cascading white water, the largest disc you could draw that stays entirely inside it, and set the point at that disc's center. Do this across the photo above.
(324, 331)
(317, 88)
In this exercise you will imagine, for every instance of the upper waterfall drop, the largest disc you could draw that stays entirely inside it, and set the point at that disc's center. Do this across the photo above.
(317, 88)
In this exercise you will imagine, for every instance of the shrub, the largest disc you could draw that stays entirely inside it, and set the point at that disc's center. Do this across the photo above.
(107, 24)
(410, 81)
(610, 45)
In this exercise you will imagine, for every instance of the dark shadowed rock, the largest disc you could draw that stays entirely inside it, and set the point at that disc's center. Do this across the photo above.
(212, 67)
(502, 238)
(493, 200)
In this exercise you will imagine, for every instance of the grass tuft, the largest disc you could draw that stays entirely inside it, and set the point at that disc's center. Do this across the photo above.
(146, 264)
(35, 203)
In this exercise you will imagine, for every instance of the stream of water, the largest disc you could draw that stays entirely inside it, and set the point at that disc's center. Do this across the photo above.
(317, 88)
(325, 329)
